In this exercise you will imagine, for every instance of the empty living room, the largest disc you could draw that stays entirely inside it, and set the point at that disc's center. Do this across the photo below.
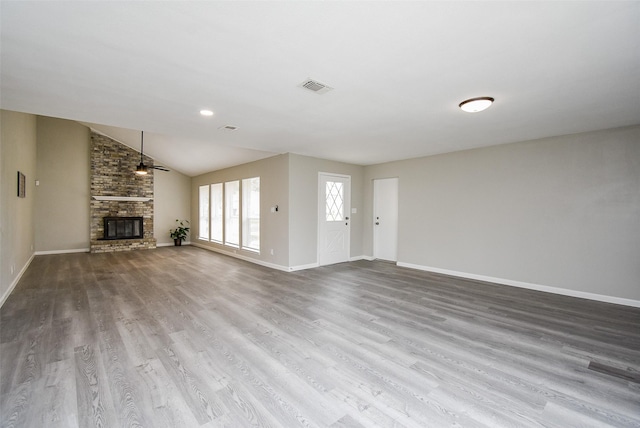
(319, 214)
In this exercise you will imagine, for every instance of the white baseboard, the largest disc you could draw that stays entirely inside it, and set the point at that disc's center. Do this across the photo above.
(527, 285)
(302, 267)
(77, 250)
(7, 293)
(257, 261)
(362, 257)
(171, 244)
(243, 257)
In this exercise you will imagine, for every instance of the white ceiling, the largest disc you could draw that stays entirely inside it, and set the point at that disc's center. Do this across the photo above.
(398, 69)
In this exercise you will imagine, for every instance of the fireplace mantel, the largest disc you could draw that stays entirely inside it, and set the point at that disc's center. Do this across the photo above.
(122, 198)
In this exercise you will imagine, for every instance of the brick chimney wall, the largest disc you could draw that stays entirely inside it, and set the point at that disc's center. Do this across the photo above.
(112, 174)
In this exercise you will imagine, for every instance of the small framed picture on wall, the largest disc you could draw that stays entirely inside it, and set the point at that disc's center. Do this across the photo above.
(22, 185)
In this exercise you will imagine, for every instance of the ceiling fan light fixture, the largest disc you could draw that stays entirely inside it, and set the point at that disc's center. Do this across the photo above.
(143, 169)
(475, 105)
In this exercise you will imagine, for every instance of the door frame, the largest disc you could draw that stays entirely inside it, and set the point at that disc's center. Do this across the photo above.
(374, 212)
(320, 210)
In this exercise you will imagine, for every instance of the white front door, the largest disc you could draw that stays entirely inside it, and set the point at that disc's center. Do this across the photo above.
(385, 219)
(334, 224)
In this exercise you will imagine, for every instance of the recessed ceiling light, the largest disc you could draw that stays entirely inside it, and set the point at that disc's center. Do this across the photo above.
(474, 105)
(206, 112)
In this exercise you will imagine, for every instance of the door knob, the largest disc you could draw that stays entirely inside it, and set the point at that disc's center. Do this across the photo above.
(377, 223)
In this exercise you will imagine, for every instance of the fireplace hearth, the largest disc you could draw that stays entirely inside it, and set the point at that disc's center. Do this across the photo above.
(123, 228)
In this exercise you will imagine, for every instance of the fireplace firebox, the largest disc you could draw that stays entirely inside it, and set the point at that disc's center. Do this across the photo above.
(123, 228)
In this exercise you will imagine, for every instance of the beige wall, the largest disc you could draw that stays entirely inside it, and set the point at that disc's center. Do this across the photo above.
(561, 212)
(62, 167)
(274, 233)
(63, 196)
(17, 237)
(63, 193)
(172, 200)
(303, 196)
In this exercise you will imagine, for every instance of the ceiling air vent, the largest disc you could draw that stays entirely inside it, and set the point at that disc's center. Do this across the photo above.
(315, 86)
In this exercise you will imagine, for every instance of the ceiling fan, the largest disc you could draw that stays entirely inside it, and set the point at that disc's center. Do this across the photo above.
(143, 169)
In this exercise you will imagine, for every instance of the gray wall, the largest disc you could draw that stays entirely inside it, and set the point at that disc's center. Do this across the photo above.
(303, 194)
(63, 193)
(274, 233)
(291, 182)
(17, 237)
(560, 212)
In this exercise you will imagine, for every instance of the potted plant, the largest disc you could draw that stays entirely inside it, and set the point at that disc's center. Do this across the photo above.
(179, 234)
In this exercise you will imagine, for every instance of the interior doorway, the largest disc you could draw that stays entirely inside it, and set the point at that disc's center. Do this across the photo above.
(385, 219)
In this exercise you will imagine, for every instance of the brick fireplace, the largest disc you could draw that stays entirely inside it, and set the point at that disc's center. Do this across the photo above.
(123, 228)
(116, 192)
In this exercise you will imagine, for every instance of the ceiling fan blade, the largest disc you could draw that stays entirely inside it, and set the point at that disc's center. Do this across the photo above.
(160, 168)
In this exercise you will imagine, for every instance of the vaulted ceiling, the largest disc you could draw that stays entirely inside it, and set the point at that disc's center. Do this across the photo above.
(398, 72)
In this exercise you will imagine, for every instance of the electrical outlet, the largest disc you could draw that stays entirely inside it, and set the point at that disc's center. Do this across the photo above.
(272, 252)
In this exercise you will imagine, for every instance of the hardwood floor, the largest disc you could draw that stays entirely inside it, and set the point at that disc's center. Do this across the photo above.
(182, 337)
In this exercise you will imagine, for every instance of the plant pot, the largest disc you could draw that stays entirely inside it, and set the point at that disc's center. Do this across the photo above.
(177, 242)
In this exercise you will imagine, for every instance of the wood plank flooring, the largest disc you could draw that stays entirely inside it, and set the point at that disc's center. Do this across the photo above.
(182, 337)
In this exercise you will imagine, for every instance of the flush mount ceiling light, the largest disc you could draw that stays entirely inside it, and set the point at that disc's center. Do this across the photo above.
(206, 112)
(474, 105)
